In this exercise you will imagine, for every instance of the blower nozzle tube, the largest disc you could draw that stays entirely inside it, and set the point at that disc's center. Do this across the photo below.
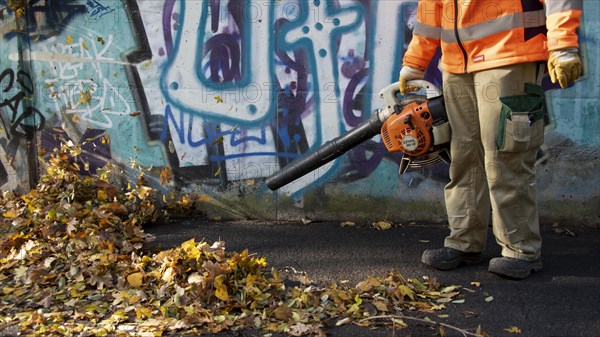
(327, 152)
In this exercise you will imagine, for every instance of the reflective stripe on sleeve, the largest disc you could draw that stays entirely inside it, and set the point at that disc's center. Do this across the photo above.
(427, 31)
(497, 25)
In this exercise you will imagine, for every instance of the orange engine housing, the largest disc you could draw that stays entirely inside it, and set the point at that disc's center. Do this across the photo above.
(409, 131)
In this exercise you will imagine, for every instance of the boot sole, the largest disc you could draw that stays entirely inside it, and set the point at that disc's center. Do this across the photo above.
(518, 274)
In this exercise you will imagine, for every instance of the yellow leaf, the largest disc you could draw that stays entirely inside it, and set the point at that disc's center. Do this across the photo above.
(11, 214)
(83, 45)
(102, 195)
(69, 39)
(218, 140)
(221, 289)
(438, 307)
(400, 323)
(135, 279)
(382, 225)
(143, 312)
(513, 329)
(85, 97)
(406, 291)
(219, 99)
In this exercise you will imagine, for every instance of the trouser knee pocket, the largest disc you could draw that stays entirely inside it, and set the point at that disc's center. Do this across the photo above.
(521, 124)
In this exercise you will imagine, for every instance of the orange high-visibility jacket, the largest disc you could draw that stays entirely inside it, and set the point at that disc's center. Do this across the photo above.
(483, 34)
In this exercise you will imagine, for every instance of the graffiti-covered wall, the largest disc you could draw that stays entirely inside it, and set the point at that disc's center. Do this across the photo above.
(217, 95)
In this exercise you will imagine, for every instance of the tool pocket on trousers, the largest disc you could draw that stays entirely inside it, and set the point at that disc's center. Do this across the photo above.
(521, 125)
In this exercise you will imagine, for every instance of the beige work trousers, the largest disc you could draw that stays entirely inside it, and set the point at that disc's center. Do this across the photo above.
(481, 175)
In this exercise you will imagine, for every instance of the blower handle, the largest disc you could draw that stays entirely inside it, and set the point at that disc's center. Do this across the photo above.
(390, 93)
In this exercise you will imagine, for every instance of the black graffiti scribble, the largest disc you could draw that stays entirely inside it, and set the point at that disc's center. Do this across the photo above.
(24, 120)
(46, 18)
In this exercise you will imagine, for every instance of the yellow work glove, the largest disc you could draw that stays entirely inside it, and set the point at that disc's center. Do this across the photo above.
(564, 66)
(408, 73)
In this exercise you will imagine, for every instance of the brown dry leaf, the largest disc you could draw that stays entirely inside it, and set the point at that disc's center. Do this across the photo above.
(470, 314)
(367, 285)
(166, 175)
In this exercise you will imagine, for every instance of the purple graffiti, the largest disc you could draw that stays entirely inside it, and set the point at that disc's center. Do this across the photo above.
(166, 23)
(224, 56)
(349, 101)
(361, 165)
(215, 12)
(352, 64)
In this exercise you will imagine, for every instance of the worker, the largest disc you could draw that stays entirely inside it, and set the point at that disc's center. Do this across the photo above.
(493, 55)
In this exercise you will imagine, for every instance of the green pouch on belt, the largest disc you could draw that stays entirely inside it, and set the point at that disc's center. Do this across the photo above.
(521, 125)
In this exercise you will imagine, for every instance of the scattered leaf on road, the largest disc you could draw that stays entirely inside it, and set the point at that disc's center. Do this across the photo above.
(382, 225)
(513, 329)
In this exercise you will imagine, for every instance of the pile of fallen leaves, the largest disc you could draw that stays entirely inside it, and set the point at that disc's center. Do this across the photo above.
(74, 260)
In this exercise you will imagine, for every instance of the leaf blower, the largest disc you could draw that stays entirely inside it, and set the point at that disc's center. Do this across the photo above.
(416, 125)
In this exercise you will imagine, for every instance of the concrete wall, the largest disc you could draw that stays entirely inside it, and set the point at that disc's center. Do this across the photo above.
(224, 93)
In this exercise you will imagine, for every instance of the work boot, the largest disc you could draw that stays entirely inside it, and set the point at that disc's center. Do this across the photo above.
(514, 268)
(448, 258)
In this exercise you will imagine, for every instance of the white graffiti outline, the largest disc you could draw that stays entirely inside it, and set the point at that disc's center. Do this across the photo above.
(92, 99)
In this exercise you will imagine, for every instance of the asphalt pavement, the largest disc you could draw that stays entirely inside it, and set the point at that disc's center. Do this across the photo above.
(563, 300)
